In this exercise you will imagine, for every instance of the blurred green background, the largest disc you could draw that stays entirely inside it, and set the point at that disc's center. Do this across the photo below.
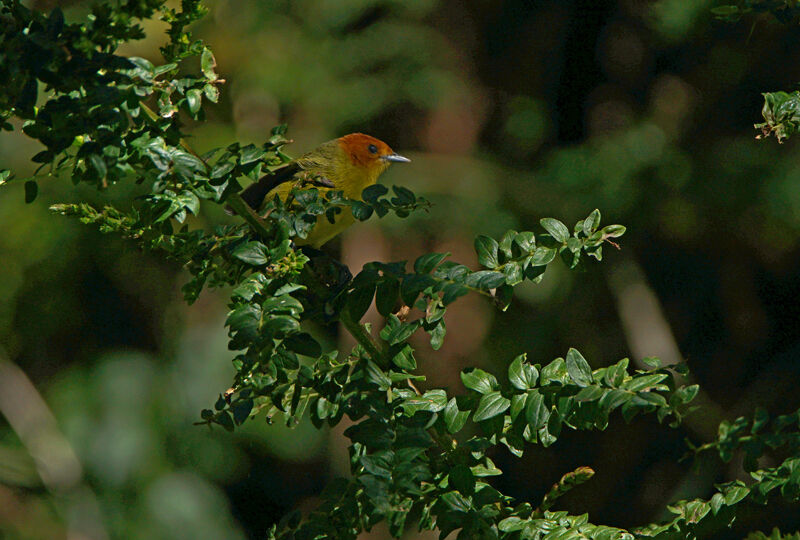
(510, 111)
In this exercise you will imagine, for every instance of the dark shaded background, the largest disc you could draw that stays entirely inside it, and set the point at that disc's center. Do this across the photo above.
(510, 111)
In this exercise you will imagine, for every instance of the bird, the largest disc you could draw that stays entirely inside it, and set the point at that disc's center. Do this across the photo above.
(349, 164)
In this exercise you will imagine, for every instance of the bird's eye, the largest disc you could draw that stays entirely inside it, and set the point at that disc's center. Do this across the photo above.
(372, 149)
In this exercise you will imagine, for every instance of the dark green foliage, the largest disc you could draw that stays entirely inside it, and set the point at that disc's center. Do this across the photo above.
(755, 438)
(775, 535)
(781, 113)
(785, 11)
(781, 110)
(418, 459)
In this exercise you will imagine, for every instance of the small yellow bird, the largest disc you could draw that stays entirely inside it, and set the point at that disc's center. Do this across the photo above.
(350, 164)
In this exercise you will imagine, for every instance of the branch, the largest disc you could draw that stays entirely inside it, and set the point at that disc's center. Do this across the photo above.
(241, 208)
(375, 349)
(567, 482)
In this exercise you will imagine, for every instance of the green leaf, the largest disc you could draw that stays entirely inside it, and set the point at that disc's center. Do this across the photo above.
(211, 92)
(643, 382)
(245, 320)
(455, 502)
(304, 344)
(536, 411)
(453, 291)
(616, 374)
(479, 380)
(491, 405)
(379, 463)
(555, 371)
(578, 368)
(686, 394)
(194, 100)
(590, 393)
(404, 195)
(404, 358)
(574, 244)
(396, 331)
(505, 244)
(522, 375)
(652, 361)
(375, 375)
(280, 326)
(431, 401)
(557, 230)
(543, 256)
(485, 279)
(241, 410)
(208, 64)
(426, 263)
(511, 524)
(160, 70)
(554, 424)
(251, 153)
(513, 273)
(526, 241)
(613, 399)
(613, 231)
(460, 477)
(716, 502)
(361, 211)
(734, 494)
(324, 408)
(31, 191)
(359, 300)
(517, 405)
(386, 295)
(437, 335)
(289, 288)
(252, 286)
(254, 253)
(282, 304)
(189, 201)
(413, 285)
(374, 192)
(486, 248)
(590, 223)
(224, 419)
(454, 419)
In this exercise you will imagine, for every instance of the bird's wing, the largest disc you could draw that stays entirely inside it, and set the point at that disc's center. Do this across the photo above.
(254, 194)
(317, 163)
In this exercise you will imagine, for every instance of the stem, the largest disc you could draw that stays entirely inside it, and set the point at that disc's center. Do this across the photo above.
(237, 204)
(375, 349)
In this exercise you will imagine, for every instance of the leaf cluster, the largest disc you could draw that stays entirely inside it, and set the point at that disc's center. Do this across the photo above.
(781, 114)
(754, 438)
(422, 457)
(785, 12)
(781, 110)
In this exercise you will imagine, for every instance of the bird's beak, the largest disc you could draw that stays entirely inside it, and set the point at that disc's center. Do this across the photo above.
(395, 157)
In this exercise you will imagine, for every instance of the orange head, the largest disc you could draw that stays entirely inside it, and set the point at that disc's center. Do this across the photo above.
(369, 152)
